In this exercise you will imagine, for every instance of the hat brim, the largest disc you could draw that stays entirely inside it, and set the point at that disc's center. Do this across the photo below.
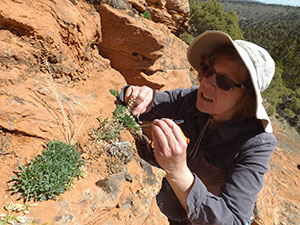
(207, 42)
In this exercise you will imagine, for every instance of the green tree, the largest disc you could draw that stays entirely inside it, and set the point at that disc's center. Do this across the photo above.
(209, 15)
(186, 37)
(275, 91)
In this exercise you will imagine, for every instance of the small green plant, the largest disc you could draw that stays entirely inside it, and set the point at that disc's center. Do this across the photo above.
(114, 93)
(12, 209)
(49, 174)
(147, 15)
(123, 116)
(109, 129)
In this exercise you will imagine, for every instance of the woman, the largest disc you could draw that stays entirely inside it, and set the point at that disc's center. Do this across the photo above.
(215, 178)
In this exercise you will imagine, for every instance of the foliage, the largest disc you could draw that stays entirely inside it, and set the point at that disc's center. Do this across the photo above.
(275, 91)
(114, 93)
(123, 116)
(209, 15)
(147, 15)
(186, 37)
(11, 217)
(50, 173)
(109, 129)
(121, 150)
(260, 11)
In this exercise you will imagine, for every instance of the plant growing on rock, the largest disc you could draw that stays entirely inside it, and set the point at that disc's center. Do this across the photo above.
(108, 134)
(147, 15)
(49, 174)
(109, 129)
(123, 114)
(12, 209)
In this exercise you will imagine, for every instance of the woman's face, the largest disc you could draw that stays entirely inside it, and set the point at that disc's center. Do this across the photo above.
(219, 103)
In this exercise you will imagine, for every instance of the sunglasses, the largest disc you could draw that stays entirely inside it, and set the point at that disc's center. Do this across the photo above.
(223, 82)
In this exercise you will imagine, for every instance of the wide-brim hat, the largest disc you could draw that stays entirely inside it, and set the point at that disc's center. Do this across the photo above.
(257, 60)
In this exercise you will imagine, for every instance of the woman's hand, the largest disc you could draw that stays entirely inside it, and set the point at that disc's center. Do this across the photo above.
(170, 153)
(144, 98)
(169, 146)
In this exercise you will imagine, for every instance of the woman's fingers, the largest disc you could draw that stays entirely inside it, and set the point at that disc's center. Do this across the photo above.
(177, 132)
(169, 153)
(159, 138)
(143, 98)
(170, 137)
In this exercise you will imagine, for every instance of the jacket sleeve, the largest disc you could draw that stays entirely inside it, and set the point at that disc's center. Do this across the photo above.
(239, 191)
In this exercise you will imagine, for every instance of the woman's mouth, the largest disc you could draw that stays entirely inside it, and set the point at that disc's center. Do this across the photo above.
(206, 97)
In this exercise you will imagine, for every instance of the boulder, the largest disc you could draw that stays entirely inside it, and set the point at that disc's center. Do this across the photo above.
(144, 52)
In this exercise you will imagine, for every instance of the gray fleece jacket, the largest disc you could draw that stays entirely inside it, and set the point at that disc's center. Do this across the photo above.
(228, 163)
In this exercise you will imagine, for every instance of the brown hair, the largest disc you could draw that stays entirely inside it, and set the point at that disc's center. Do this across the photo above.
(247, 104)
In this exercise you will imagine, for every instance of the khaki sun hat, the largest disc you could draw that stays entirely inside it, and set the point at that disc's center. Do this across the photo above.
(258, 61)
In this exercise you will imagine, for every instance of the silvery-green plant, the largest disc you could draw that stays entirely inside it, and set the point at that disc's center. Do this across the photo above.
(49, 174)
(11, 217)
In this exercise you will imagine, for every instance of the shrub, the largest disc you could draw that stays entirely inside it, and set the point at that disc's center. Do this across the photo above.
(288, 113)
(210, 15)
(50, 173)
(12, 213)
(275, 91)
(186, 37)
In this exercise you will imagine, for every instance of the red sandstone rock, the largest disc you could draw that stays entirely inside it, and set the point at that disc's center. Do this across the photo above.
(143, 51)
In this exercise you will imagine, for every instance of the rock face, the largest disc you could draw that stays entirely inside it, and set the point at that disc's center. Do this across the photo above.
(279, 200)
(58, 61)
(172, 13)
(146, 53)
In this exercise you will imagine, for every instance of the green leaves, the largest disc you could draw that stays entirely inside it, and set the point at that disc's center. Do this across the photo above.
(12, 216)
(50, 173)
(147, 15)
(109, 130)
(280, 35)
(209, 15)
(114, 93)
(186, 37)
(123, 117)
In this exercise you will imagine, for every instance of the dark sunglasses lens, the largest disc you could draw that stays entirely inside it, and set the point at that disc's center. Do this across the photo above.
(224, 82)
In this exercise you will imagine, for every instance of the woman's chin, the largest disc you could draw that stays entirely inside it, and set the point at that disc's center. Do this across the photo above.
(202, 107)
